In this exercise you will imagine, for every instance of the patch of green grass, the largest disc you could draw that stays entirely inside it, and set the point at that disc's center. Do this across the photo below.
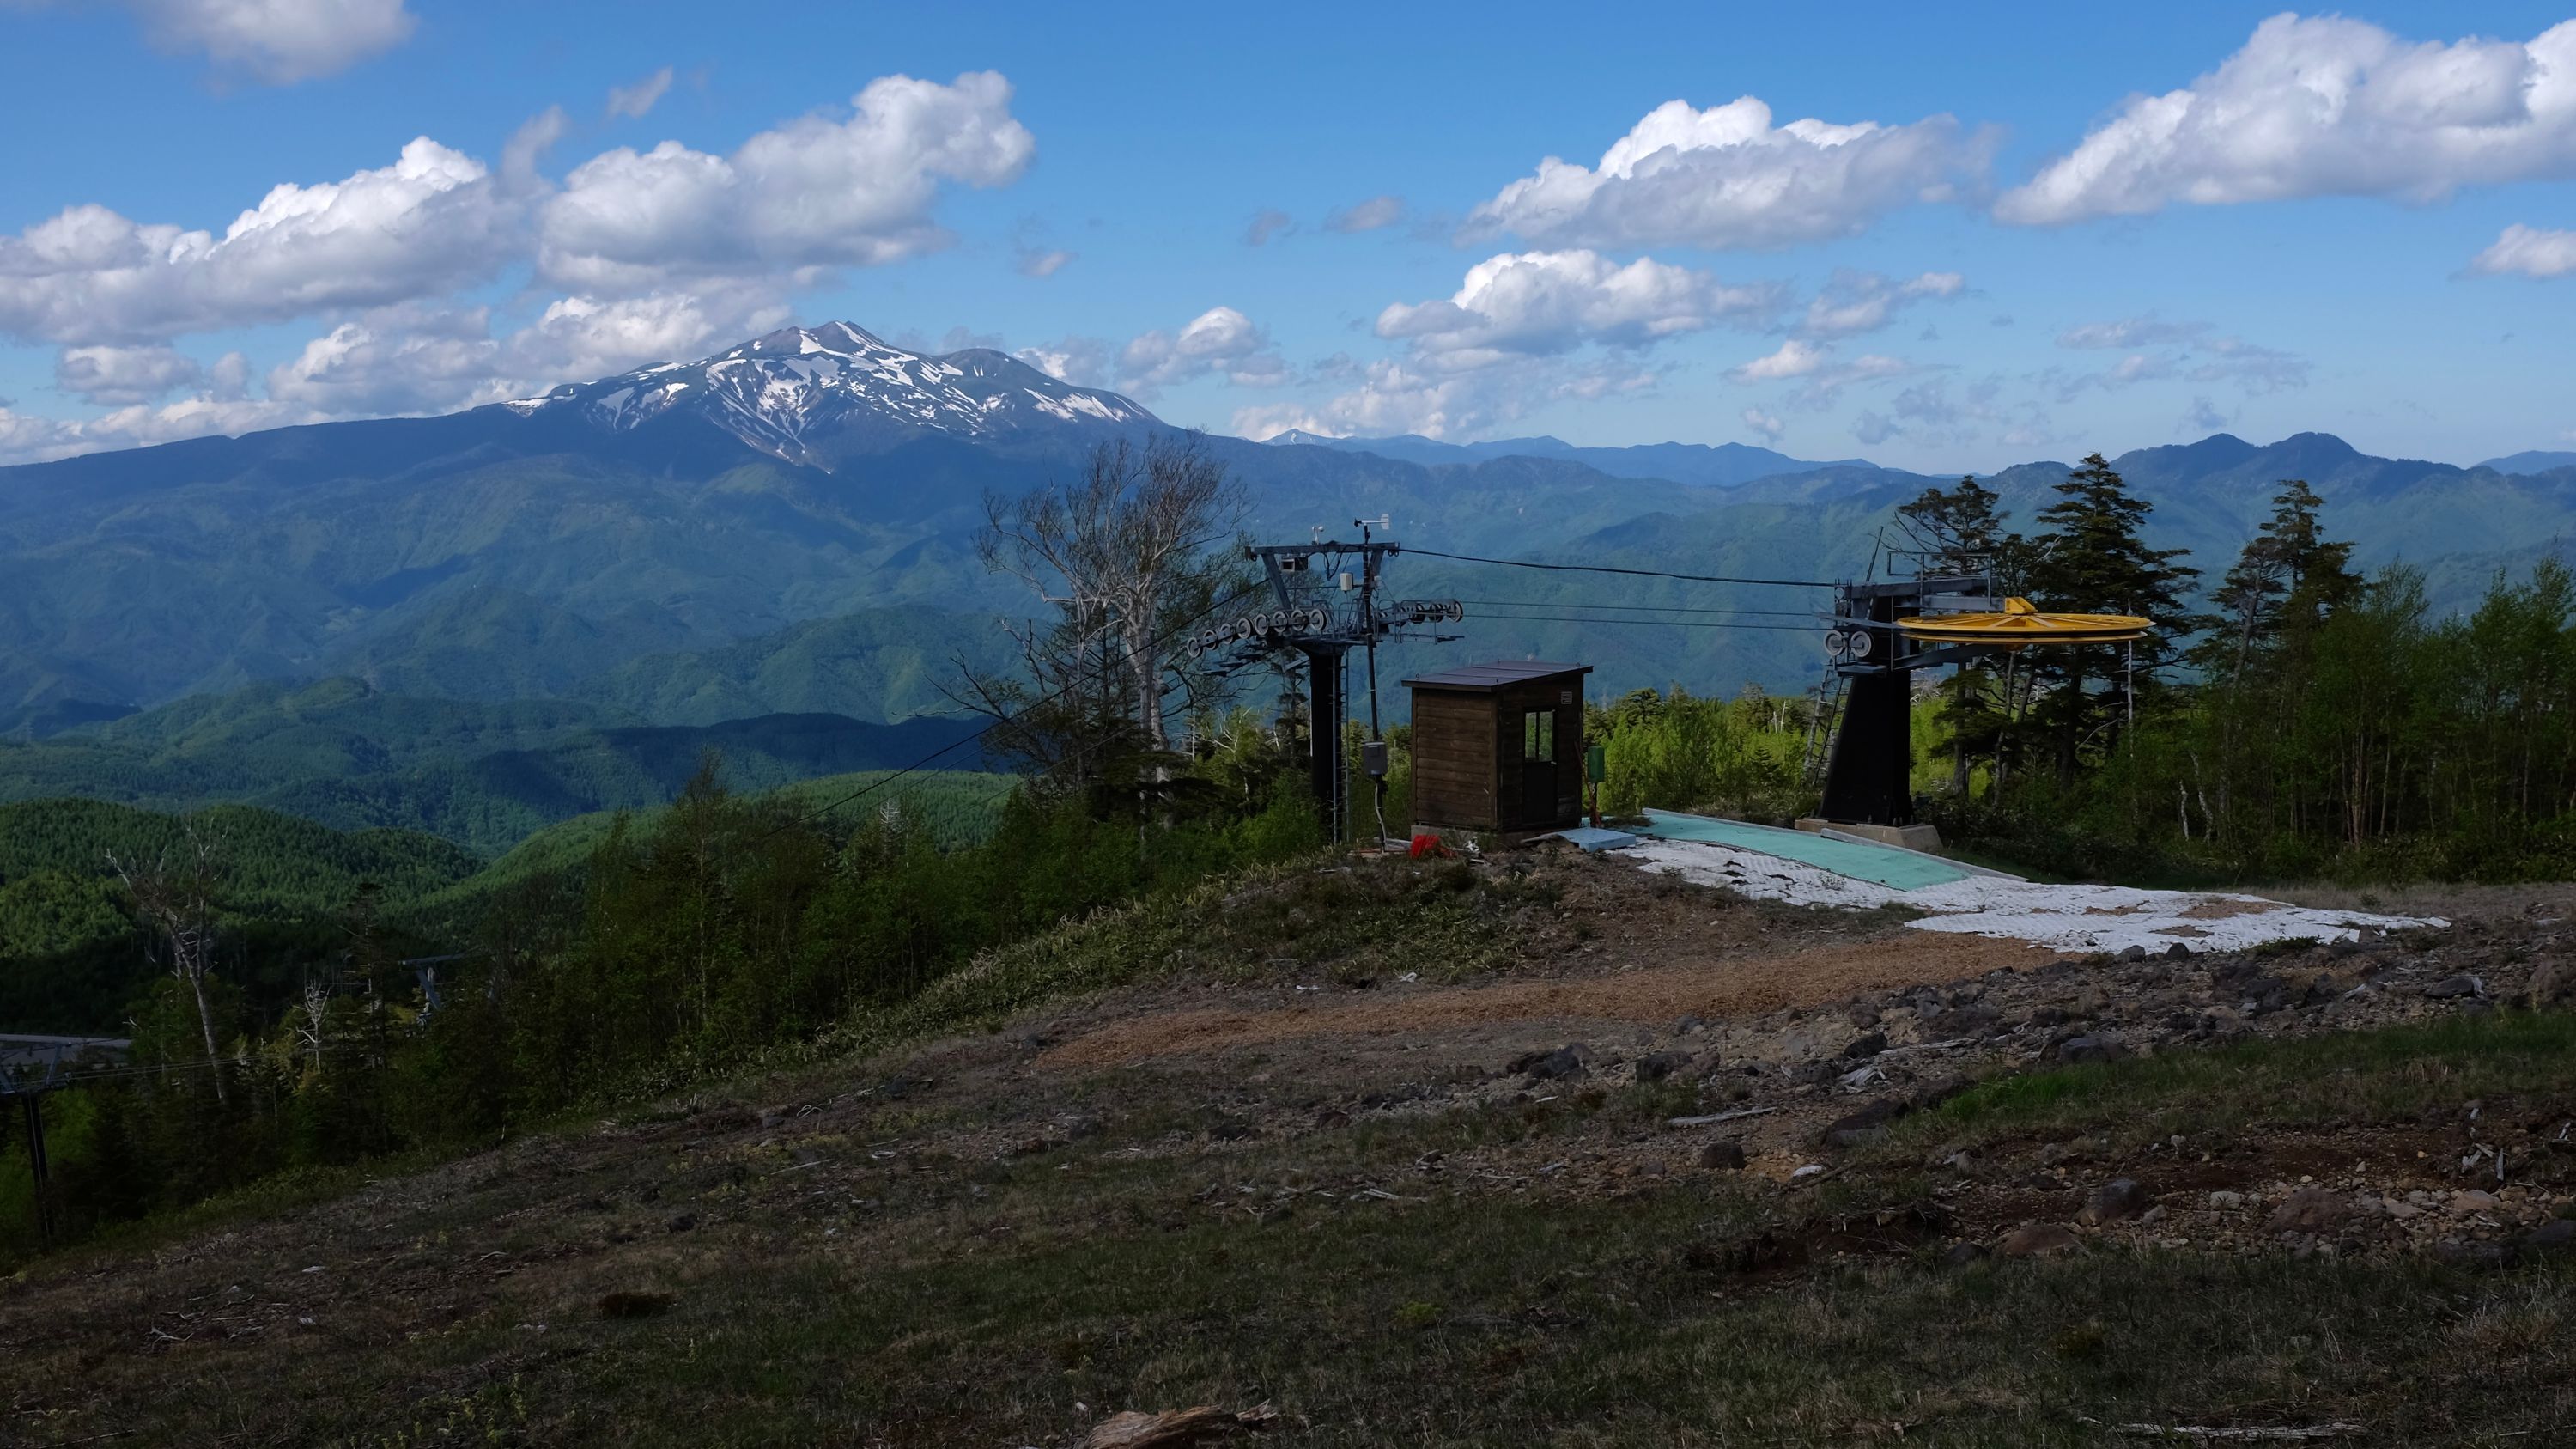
(1475, 1322)
(2394, 1074)
(1348, 923)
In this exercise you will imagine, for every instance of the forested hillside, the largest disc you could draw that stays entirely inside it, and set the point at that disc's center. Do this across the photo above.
(483, 774)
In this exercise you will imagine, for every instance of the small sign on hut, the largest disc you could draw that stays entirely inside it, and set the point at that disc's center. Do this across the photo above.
(1498, 747)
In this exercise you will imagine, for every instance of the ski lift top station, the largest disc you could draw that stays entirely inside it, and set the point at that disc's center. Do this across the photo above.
(1499, 747)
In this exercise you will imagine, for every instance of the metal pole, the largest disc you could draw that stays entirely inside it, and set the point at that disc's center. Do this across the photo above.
(1368, 616)
(36, 1165)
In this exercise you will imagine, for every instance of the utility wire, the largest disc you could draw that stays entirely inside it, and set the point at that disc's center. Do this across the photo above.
(1522, 563)
(1649, 623)
(1635, 608)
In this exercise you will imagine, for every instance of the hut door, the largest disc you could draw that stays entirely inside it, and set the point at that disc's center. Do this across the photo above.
(1538, 767)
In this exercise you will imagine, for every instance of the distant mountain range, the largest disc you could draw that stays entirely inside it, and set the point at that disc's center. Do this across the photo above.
(482, 775)
(1720, 466)
(786, 530)
(2531, 462)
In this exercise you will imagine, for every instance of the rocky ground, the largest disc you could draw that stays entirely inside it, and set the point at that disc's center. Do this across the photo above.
(1747, 1098)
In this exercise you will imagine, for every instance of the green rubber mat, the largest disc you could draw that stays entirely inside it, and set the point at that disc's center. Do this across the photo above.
(1901, 870)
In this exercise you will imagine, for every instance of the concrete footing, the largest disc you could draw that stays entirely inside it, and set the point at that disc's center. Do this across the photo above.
(1907, 837)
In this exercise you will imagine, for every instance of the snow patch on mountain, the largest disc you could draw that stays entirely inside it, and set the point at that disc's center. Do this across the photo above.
(809, 396)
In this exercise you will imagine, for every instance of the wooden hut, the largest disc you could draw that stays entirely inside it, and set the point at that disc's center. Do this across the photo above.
(1498, 747)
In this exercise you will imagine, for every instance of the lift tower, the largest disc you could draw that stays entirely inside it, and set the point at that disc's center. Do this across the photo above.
(1325, 603)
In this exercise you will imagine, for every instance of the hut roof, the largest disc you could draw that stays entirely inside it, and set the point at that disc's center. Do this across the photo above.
(1501, 674)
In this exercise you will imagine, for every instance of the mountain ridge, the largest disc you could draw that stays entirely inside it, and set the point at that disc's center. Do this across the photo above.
(820, 396)
(690, 564)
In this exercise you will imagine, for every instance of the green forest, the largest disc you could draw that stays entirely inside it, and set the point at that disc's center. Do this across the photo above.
(2291, 718)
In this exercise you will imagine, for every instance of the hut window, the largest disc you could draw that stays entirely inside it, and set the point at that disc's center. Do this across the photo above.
(1538, 735)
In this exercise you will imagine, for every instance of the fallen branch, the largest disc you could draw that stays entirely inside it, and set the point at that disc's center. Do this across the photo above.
(1713, 1120)
(2239, 1435)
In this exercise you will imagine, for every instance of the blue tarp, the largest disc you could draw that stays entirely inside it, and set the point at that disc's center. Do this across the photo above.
(1591, 839)
(1896, 869)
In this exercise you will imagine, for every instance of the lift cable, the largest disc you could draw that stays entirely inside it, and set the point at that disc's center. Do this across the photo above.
(1649, 623)
(1639, 608)
(1522, 563)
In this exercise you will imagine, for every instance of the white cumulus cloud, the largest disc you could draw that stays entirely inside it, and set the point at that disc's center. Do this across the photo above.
(2324, 106)
(430, 222)
(2528, 251)
(1540, 303)
(816, 193)
(123, 376)
(1726, 177)
(1766, 426)
(276, 41)
(1795, 358)
(1219, 341)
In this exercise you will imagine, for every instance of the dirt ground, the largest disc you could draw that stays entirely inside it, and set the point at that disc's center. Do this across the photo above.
(1647, 1033)
(1706, 988)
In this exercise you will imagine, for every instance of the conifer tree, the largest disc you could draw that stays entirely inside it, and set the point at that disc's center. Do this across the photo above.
(2095, 559)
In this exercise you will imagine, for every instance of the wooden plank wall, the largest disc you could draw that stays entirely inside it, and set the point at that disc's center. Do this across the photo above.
(1455, 760)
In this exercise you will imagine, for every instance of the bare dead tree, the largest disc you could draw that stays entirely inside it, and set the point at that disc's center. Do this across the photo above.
(1122, 555)
(174, 892)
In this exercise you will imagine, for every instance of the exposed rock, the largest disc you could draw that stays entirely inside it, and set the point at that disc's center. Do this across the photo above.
(2466, 1253)
(2038, 1240)
(1549, 1066)
(1973, 1018)
(2310, 1210)
(1659, 1065)
(2474, 1201)
(1722, 1157)
(2225, 1201)
(2551, 1239)
(2091, 1049)
(1864, 1124)
(1869, 1045)
(1939, 1090)
(2553, 984)
(2455, 986)
(1963, 1255)
(2115, 1201)
(1863, 1015)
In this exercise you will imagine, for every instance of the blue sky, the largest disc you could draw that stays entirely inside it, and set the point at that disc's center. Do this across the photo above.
(2068, 231)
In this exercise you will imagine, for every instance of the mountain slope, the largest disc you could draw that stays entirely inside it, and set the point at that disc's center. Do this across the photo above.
(2530, 462)
(481, 775)
(824, 396)
(1723, 465)
(788, 527)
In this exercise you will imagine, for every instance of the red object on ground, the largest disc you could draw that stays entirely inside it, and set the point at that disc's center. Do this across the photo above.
(1428, 845)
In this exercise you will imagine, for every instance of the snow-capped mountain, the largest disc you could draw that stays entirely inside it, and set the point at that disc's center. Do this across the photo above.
(821, 395)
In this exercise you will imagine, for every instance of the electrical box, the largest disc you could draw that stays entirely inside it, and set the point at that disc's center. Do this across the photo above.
(1373, 758)
(1596, 763)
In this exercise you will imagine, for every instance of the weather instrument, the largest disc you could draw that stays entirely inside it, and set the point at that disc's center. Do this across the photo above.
(1324, 603)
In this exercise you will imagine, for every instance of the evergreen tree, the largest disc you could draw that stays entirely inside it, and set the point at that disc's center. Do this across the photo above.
(2095, 559)
(2284, 584)
(1961, 531)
